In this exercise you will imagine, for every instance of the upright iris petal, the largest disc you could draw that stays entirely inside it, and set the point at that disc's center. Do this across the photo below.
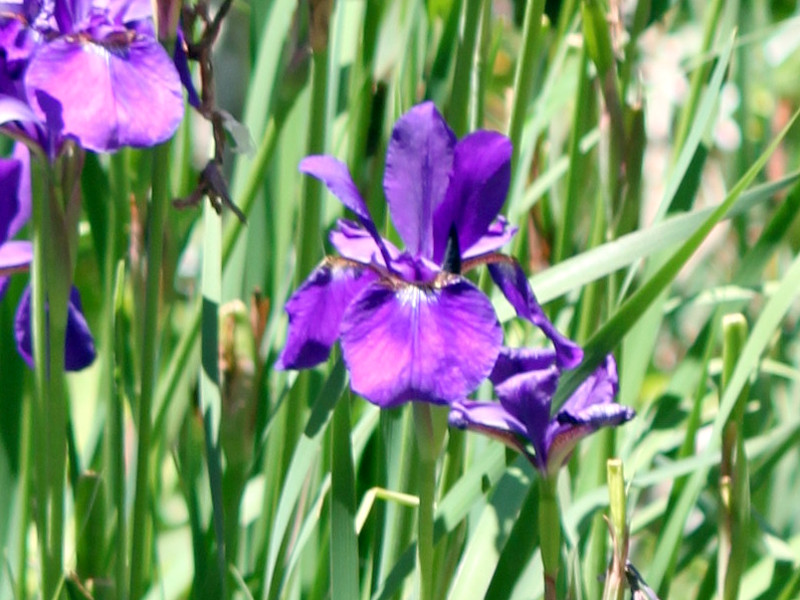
(525, 382)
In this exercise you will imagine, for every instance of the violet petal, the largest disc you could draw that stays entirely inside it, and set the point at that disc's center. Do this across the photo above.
(527, 397)
(356, 243)
(497, 235)
(513, 361)
(15, 256)
(511, 280)
(419, 160)
(478, 187)
(335, 175)
(79, 350)
(110, 95)
(315, 312)
(490, 418)
(426, 343)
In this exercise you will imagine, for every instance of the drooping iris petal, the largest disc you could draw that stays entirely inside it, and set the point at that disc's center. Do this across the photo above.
(527, 397)
(497, 235)
(591, 407)
(125, 92)
(429, 343)
(419, 160)
(511, 280)
(335, 175)
(489, 418)
(79, 351)
(356, 243)
(477, 190)
(315, 312)
(513, 361)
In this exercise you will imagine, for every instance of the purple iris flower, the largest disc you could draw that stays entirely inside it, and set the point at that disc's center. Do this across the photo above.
(525, 381)
(411, 326)
(16, 256)
(89, 69)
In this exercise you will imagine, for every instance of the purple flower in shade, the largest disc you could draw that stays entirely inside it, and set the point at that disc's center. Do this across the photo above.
(88, 69)
(411, 326)
(16, 256)
(525, 381)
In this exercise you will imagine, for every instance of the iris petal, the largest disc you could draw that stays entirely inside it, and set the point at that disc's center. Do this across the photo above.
(511, 280)
(478, 187)
(79, 351)
(429, 343)
(335, 175)
(110, 95)
(419, 160)
(315, 312)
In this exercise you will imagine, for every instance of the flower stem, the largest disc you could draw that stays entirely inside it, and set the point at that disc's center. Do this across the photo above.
(430, 434)
(51, 284)
(156, 220)
(549, 533)
(114, 443)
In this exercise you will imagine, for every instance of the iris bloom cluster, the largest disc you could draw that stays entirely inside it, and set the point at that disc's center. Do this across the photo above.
(411, 326)
(90, 73)
(16, 256)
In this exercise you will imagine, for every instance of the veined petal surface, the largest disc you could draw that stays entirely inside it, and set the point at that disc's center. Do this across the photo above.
(110, 95)
(419, 160)
(315, 312)
(478, 187)
(433, 343)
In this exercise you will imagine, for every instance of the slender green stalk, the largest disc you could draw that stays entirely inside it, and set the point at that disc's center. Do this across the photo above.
(458, 115)
(429, 434)
(156, 219)
(523, 77)
(24, 498)
(699, 77)
(115, 439)
(549, 533)
(117, 442)
(51, 284)
(615, 578)
(733, 476)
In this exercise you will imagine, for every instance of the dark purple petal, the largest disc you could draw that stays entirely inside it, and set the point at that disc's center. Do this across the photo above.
(499, 234)
(600, 387)
(110, 95)
(356, 243)
(478, 187)
(335, 175)
(419, 160)
(489, 418)
(511, 280)
(315, 312)
(429, 343)
(79, 351)
(15, 256)
(513, 361)
(591, 407)
(10, 171)
(15, 192)
(527, 397)
(181, 60)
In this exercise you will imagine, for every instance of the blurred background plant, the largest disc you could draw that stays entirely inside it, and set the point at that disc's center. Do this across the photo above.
(655, 184)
